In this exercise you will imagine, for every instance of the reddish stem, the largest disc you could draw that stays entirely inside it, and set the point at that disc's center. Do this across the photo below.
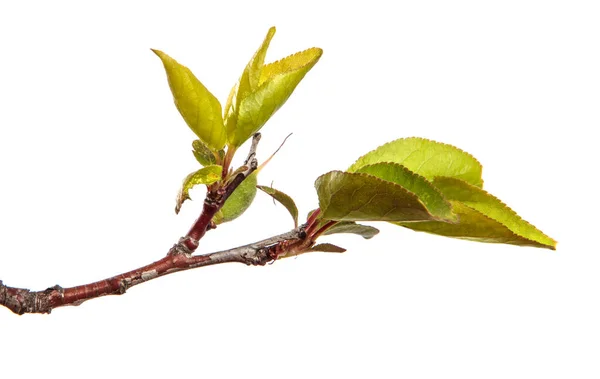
(20, 300)
(322, 229)
(179, 258)
(198, 230)
(312, 220)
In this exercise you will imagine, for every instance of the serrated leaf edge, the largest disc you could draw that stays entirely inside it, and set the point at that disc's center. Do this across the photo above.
(265, 80)
(467, 238)
(427, 140)
(509, 209)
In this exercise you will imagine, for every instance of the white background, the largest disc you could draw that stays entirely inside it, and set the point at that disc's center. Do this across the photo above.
(92, 152)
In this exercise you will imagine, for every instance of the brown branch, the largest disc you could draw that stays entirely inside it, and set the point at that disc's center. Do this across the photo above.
(179, 257)
(20, 300)
(215, 198)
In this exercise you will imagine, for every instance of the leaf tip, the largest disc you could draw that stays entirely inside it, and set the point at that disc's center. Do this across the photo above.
(158, 53)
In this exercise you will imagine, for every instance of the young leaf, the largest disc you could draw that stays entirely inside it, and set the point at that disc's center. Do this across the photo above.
(207, 175)
(323, 247)
(427, 193)
(483, 217)
(284, 199)
(263, 89)
(364, 231)
(247, 83)
(327, 248)
(426, 158)
(492, 207)
(274, 90)
(239, 201)
(198, 107)
(203, 154)
(347, 196)
(474, 226)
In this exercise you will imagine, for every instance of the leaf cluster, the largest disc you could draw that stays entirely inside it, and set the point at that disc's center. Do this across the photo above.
(414, 183)
(425, 186)
(261, 90)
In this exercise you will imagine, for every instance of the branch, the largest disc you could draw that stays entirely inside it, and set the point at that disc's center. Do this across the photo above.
(20, 300)
(179, 257)
(215, 198)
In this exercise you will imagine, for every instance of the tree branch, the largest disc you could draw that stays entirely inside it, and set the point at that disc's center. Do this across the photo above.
(20, 300)
(214, 201)
(179, 257)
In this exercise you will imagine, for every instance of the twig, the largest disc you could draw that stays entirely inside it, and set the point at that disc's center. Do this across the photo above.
(214, 202)
(20, 300)
(179, 257)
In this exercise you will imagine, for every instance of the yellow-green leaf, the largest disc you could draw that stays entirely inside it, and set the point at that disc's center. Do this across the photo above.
(433, 199)
(239, 201)
(207, 175)
(199, 108)
(364, 231)
(473, 226)
(256, 108)
(426, 158)
(300, 62)
(263, 89)
(347, 196)
(247, 83)
(204, 155)
(482, 217)
(284, 199)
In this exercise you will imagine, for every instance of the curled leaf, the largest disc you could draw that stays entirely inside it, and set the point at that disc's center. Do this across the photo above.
(239, 201)
(284, 199)
(207, 175)
(426, 158)
(347, 196)
(199, 108)
(203, 154)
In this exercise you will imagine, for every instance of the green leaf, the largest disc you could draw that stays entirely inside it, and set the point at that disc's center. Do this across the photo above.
(198, 107)
(364, 231)
(327, 248)
(260, 105)
(323, 247)
(239, 201)
(247, 83)
(207, 175)
(263, 89)
(284, 199)
(435, 202)
(203, 154)
(426, 158)
(483, 218)
(347, 196)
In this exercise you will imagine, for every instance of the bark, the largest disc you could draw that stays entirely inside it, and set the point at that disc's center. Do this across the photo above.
(20, 300)
(179, 258)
